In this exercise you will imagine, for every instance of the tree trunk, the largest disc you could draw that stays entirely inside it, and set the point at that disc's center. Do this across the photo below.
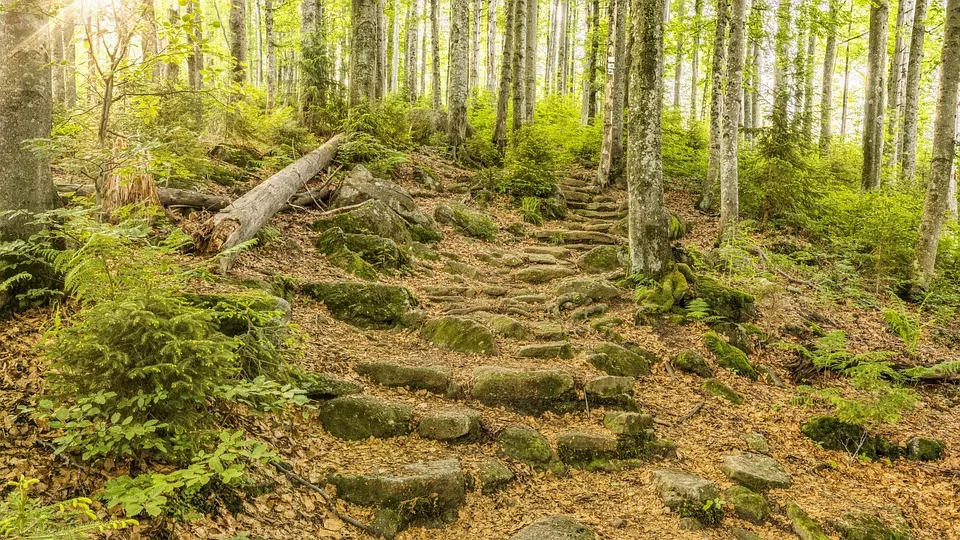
(530, 99)
(410, 63)
(562, 32)
(911, 107)
(271, 68)
(395, 49)
(729, 187)
(826, 91)
(435, 56)
(895, 79)
(650, 253)
(873, 104)
(238, 39)
(381, 35)
(695, 59)
(26, 184)
(167, 196)
(244, 217)
(56, 59)
(846, 82)
(944, 147)
(800, 71)
(781, 87)
(459, 72)
(423, 48)
(705, 204)
(611, 148)
(591, 75)
(503, 98)
(492, 46)
(754, 112)
(363, 51)
(476, 33)
(678, 59)
(807, 123)
(70, 60)
(148, 35)
(195, 56)
(550, 68)
(520, 63)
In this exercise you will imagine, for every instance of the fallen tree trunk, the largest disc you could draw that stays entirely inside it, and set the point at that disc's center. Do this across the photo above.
(168, 196)
(243, 218)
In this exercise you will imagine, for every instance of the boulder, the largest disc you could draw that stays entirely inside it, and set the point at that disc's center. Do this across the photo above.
(556, 349)
(630, 424)
(555, 528)
(376, 250)
(717, 388)
(529, 446)
(743, 534)
(611, 391)
(425, 124)
(691, 361)
(613, 359)
(370, 305)
(361, 417)
(361, 186)
(602, 259)
(859, 525)
(833, 434)
(431, 378)
(543, 273)
(548, 330)
(596, 290)
(501, 325)
(688, 495)
(493, 476)
(756, 442)
(747, 504)
(803, 526)
(584, 449)
(467, 221)
(729, 357)
(458, 268)
(371, 217)
(451, 425)
(320, 386)
(755, 471)
(459, 334)
(925, 449)
(532, 392)
(731, 304)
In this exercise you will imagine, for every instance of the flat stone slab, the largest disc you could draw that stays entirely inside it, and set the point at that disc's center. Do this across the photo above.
(613, 359)
(556, 349)
(566, 237)
(493, 475)
(531, 447)
(453, 425)
(555, 528)
(755, 471)
(630, 424)
(431, 378)
(677, 488)
(361, 417)
(459, 334)
(532, 392)
(581, 448)
(543, 273)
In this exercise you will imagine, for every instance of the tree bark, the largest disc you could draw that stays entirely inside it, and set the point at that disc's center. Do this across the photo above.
(695, 59)
(167, 196)
(270, 46)
(410, 63)
(895, 79)
(846, 82)
(706, 202)
(944, 147)
(423, 48)
(238, 39)
(807, 122)
(591, 75)
(826, 90)
(148, 36)
(56, 59)
(754, 112)
(492, 46)
(458, 77)
(395, 49)
(781, 87)
(650, 253)
(476, 33)
(873, 106)
(519, 63)
(381, 35)
(363, 51)
(911, 107)
(611, 147)
(435, 56)
(800, 69)
(530, 84)
(678, 60)
(729, 187)
(70, 59)
(503, 98)
(244, 217)
(562, 32)
(195, 57)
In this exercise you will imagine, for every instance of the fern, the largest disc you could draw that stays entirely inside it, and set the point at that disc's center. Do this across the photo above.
(907, 326)
(699, 310)
(23, 517)
(530, 207)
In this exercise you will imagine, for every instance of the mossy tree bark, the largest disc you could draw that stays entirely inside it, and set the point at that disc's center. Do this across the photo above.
(530, 60)
(706, 201)
(826, 89)
(410, 63)
(593, 35)
(873, 107)
(695, 58)
(435, 56)
(678, 57)
(611, 148)
(911, 106)
(781, 85)
(238, 39)
(650, 252)
(270, 37)
(458, 77)
(520, 63)
(503, 97)
(363, 51)
(729, 185)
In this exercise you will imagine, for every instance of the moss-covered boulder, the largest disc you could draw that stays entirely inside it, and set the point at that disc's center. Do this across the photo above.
(688, 495)
(493, 475)
(555, 528)
(691, 361)
(323, 386)
(586, 450)
(426, 125)
(380, 252)
(747, 504)
(662, 297)
(803, 525)
(595, 290)
(430, 378)
(602, 259)
(728, 356)
(717, 388)
(732, 304)
(925, 449)
(467, 221)
(501, 325)
(458, 268)
(613, 359)
(833, 434)
(451, 425)
(361, 417)
(459, 334)
(353, 263)
(369, 305)
(755, 471)
(555, 349)
(360, 186)
(611, 391)
(531, 392)
(859, 525)
(371, 217)
(529, 446)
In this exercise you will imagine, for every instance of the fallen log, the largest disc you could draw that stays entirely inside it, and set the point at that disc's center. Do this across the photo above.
(168, 196)
(243, 218)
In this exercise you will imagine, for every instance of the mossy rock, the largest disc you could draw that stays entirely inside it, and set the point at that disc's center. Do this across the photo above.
(526, 391)
(611, 391)
(803, 525)
(729, 357)
(602, 259)
(493, 475)
(459, 334)
(555, 528)
(747, 504)
(717, 388)
(530, 447)
(670, 292)
(613, 359)
(458, 268)
(925, 449)
(353, 263)
(677, 227)
(586, 450)
(371, 217)
(691, 361)
(361, 417)
(746, 337)
(596, 290)
(467, 221)
(543, 273)
(382, 253)
(727, 302)
(688, 495)
(451, 425)
(369, 305)
(435, 379)
(501, 325)
(556, 349)
(858, 525)
(322, 386)
(833, 434)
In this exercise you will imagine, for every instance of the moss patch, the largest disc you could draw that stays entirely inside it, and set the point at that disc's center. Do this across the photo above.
(467, 221)
(717, 388)
(729, 356)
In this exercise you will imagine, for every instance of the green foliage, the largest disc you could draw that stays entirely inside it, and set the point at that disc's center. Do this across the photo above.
(378, 134)
(532, 162)
(530, 207)
(26, 518)
(684, 148)
(905, 325)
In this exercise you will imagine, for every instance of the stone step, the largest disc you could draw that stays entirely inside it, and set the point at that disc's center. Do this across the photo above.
(573, 182)
(577, 196)
(567, 237)
(558, 252)
(600, 214)
(590, 190)
(603, 206)
(599, 227)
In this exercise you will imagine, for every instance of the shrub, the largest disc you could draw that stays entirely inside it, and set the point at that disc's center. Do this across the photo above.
(532, 162)
(684, 148)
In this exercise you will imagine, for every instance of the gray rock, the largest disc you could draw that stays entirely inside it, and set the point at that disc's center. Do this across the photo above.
(757, 443)
(371, 217)
(925, 449)
(325, 386)
(361, 417)
(756, 471)
(611, 391)
(454, 425)
(678, 488)
(691, 361)
(543, 273)
(369, 305)
(529, 446)
(548, 330)
(803, 525)
(630, 424)
(613, 359)
(378, 251)
(360, 186)
(461, 269)
(493, 476)
(502, 325)
(466, 220)
(747, 504)
(582, 449)
(597, 290)
(859, 525)
(603, 259)
(555, 528)
(459, 334)
(532, 392)
(743, 534)
(431, 378)
(556, 349)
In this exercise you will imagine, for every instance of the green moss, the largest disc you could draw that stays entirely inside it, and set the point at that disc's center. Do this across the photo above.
(747, 504)
(530, 447)
(925, 449)
(728, 356)
(376, 250)
(467, 220)
(371, 217)
(678, 228)
(459, 334)
(353, 264)
(613, 359)
(863, 526)
(803, 525)
(719, 389)
(833, 434)
(727, 302)
(669, 293)
(691, 361)
(709, 514)
(603, 259)
(364, 304)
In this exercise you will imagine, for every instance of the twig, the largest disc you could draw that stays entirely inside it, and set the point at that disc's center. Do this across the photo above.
(693, 412)
(772, 376)
(341, 210)
(669, 366)
(297, 479)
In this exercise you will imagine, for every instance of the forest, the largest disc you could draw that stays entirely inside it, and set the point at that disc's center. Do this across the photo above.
(479, 269)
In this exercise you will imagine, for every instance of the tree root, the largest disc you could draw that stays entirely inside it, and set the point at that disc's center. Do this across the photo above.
(331, 504)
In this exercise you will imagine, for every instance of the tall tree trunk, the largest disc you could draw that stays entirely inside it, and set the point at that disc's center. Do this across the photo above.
(611, 148)
(26, 184)
(271, 39)
(520, 63)
(895, 79)
(800, 68)
(435, 53)
(729, 186)
(56, 58)
(695, 58)
(475, 62)
(911, 108)
(395, 48)
(550, 68)
(562, 52)
(846, 82)
(591, 75)
(530, 99)
(746, 95)
(503, 98)
(363, 51)
(873, 104)
(258, 24)
(807, 123)
(754, 112)
(826, 90)
(459, 72)
(382, 72)
(423, 47)
(148, 35)
(238, 39)
(70, 59)
(706, 201)
(650, 253)
(678, 60)
(410, 64)
(195, 56)
(781, 86)
(492, 46)
(944, 148)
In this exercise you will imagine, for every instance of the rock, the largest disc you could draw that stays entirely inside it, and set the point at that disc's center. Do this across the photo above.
(743, 534)
(611, 391)
(556, 349)
(533, 392)
(603, 259)
(925, 449)
(540, 258)
(613, 359)
(493, 476)
(502, 325)
(530, 447)
(452, 425)
(361, 417)
(387, 522)
(376, 250)
(690, 524)
(691, 361)
(560, 236)
(459, 334)
(717, 388)
(727, 302)
(320, 386)
(429, 493)
(630, 424)
(833, 434)
(747, 504)
(431, 378)
(542, 273)
(548, 330)
(584, 313)
(446, 290)
(858, 525)
(803, 526)
(755, 471)
(422, 251)
(583, 449)
(352, 263)
(555, 528)
(558, 252)
(425, 124)
(596, 290)
(757, 443)
(745, 337)
(729, 356)
(371, 217)
(369, 305)
(458, 268)
(467, 221)
(688, 495)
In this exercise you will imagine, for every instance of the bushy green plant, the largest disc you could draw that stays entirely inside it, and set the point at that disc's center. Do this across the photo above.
(907, 326)
(377, 136)
(684, 147)
(532, 163)
(530, 207)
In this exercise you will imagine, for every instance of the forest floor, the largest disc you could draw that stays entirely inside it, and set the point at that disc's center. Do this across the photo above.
(616, 505)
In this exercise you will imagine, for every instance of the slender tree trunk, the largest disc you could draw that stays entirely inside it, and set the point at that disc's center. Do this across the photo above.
(591, 76)
(477, 23)
(747, 96)
(238, 39)
(258, 22)
(195, 57)
(520, 63)
(944, 148)
(895, 79)
(395, 48)
(611, 148)
(911, 108)
(678, 59)
(781, 86)
(729, 187)
(363, 51)
(550, 68)
(458, 77)
(70, 59)
(148, 35)
(562, 46)
(492, 45)
(382, 68)
(754, 112)
(650, 253)
(695, 58)
(800, 69)
(423, 47)
(826, 89)
(56, 58)
(435, 53)
(271, 40)
(873, 106)
(846, 82)
(572, 36)
(410, 65)
(808, 83)
(503, 98)
(530, 100)
(706, 201)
